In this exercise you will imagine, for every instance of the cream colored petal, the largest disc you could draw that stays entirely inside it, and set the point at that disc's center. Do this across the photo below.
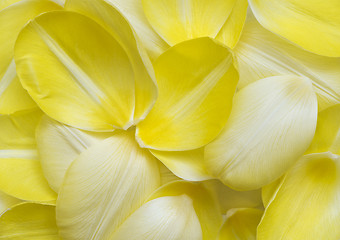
(269, 191)
(88, 84)
(196, 82)
(307, 203)
(59, 145)
(103, 186)
(165, 218)
(177, 21)
(7, 201)
(271, 125)
(261, 54)
(29, 221)
(241, 224)
(113, 21)
(231, 31)
(311, 24)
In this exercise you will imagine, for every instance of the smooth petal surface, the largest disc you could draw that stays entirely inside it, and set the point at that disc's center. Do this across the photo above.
(311, 24)
(307, 203)
(165, 218)
(59, 145)
(241, 224)
(271, 125)
(196, 82)
(112, 20)
(177, 21)
(103, 186)
(260, 54)
(231, 31)
(51, 53)
(29, 221)
(7, 201)
(13, 16)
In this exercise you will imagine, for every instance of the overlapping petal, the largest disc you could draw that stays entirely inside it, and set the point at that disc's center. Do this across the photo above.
(271, 125)
(7, 201)
(269, 191)
(196, 82)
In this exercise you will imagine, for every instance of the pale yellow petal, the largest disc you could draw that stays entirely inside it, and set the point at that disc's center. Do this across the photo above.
(7, 201)
(29, 221)
(166, 175)
(260, 54)
(177, 21)
(59, 145)
(103, 186)
(241, 224)
(196, 82)
(271, 125)
(307, 204)
(84, 83)
(312, 24)
(269, 191)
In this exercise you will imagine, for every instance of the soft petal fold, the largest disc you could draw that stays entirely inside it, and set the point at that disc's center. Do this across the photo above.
(177, 21)
(7, 201)
(307, 204)
(260, 54)
(88, 84)
(196, 81)
(29, 221)
(58, 145)
(271, 125)
(103, 186)
(269, 191)
(311, 24)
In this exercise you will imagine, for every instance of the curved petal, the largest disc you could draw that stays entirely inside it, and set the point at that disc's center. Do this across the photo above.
(166, 175)
(13, 17)
(103, 186)
(7, 201)
(177, 21)
(51, 53)
(112, 20)
(241, 224)
(188, 165)
(29, 221)
(231, 31)
(307, 203)
(269, 191)
(310, 24)
(59, 145)
(260, 54)
(271, 125)
(196, 82)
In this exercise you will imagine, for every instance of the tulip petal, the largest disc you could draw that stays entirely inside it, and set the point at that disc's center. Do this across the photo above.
(311, 24)
(13, 17)
(271, 125)
(196, 83)
(59, 145)
(163, 218)
(51, 53)
(103, 186)
(166, 175)
(177, 21)
(109, 18)
(7, 201)
(269, 191)
(241, 224)
(260, 54)
(231, 31)
(29, 221)
(307, 204)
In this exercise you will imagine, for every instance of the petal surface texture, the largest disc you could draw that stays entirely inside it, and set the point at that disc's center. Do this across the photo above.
(311, 24)
(196, 83)
(103, 186)
(260, 54)
(29, 221)
(313, 184)
(99, 79)
(13, 16)
(177, 21)
(166, 218)
(271, 125)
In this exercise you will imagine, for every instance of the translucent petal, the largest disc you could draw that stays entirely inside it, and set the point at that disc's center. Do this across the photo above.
(103, 186)
(260, 54)
(307, 203)
(271, 125)
(196, 82)
(51, 53)
(7, 201)
(311, 24)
